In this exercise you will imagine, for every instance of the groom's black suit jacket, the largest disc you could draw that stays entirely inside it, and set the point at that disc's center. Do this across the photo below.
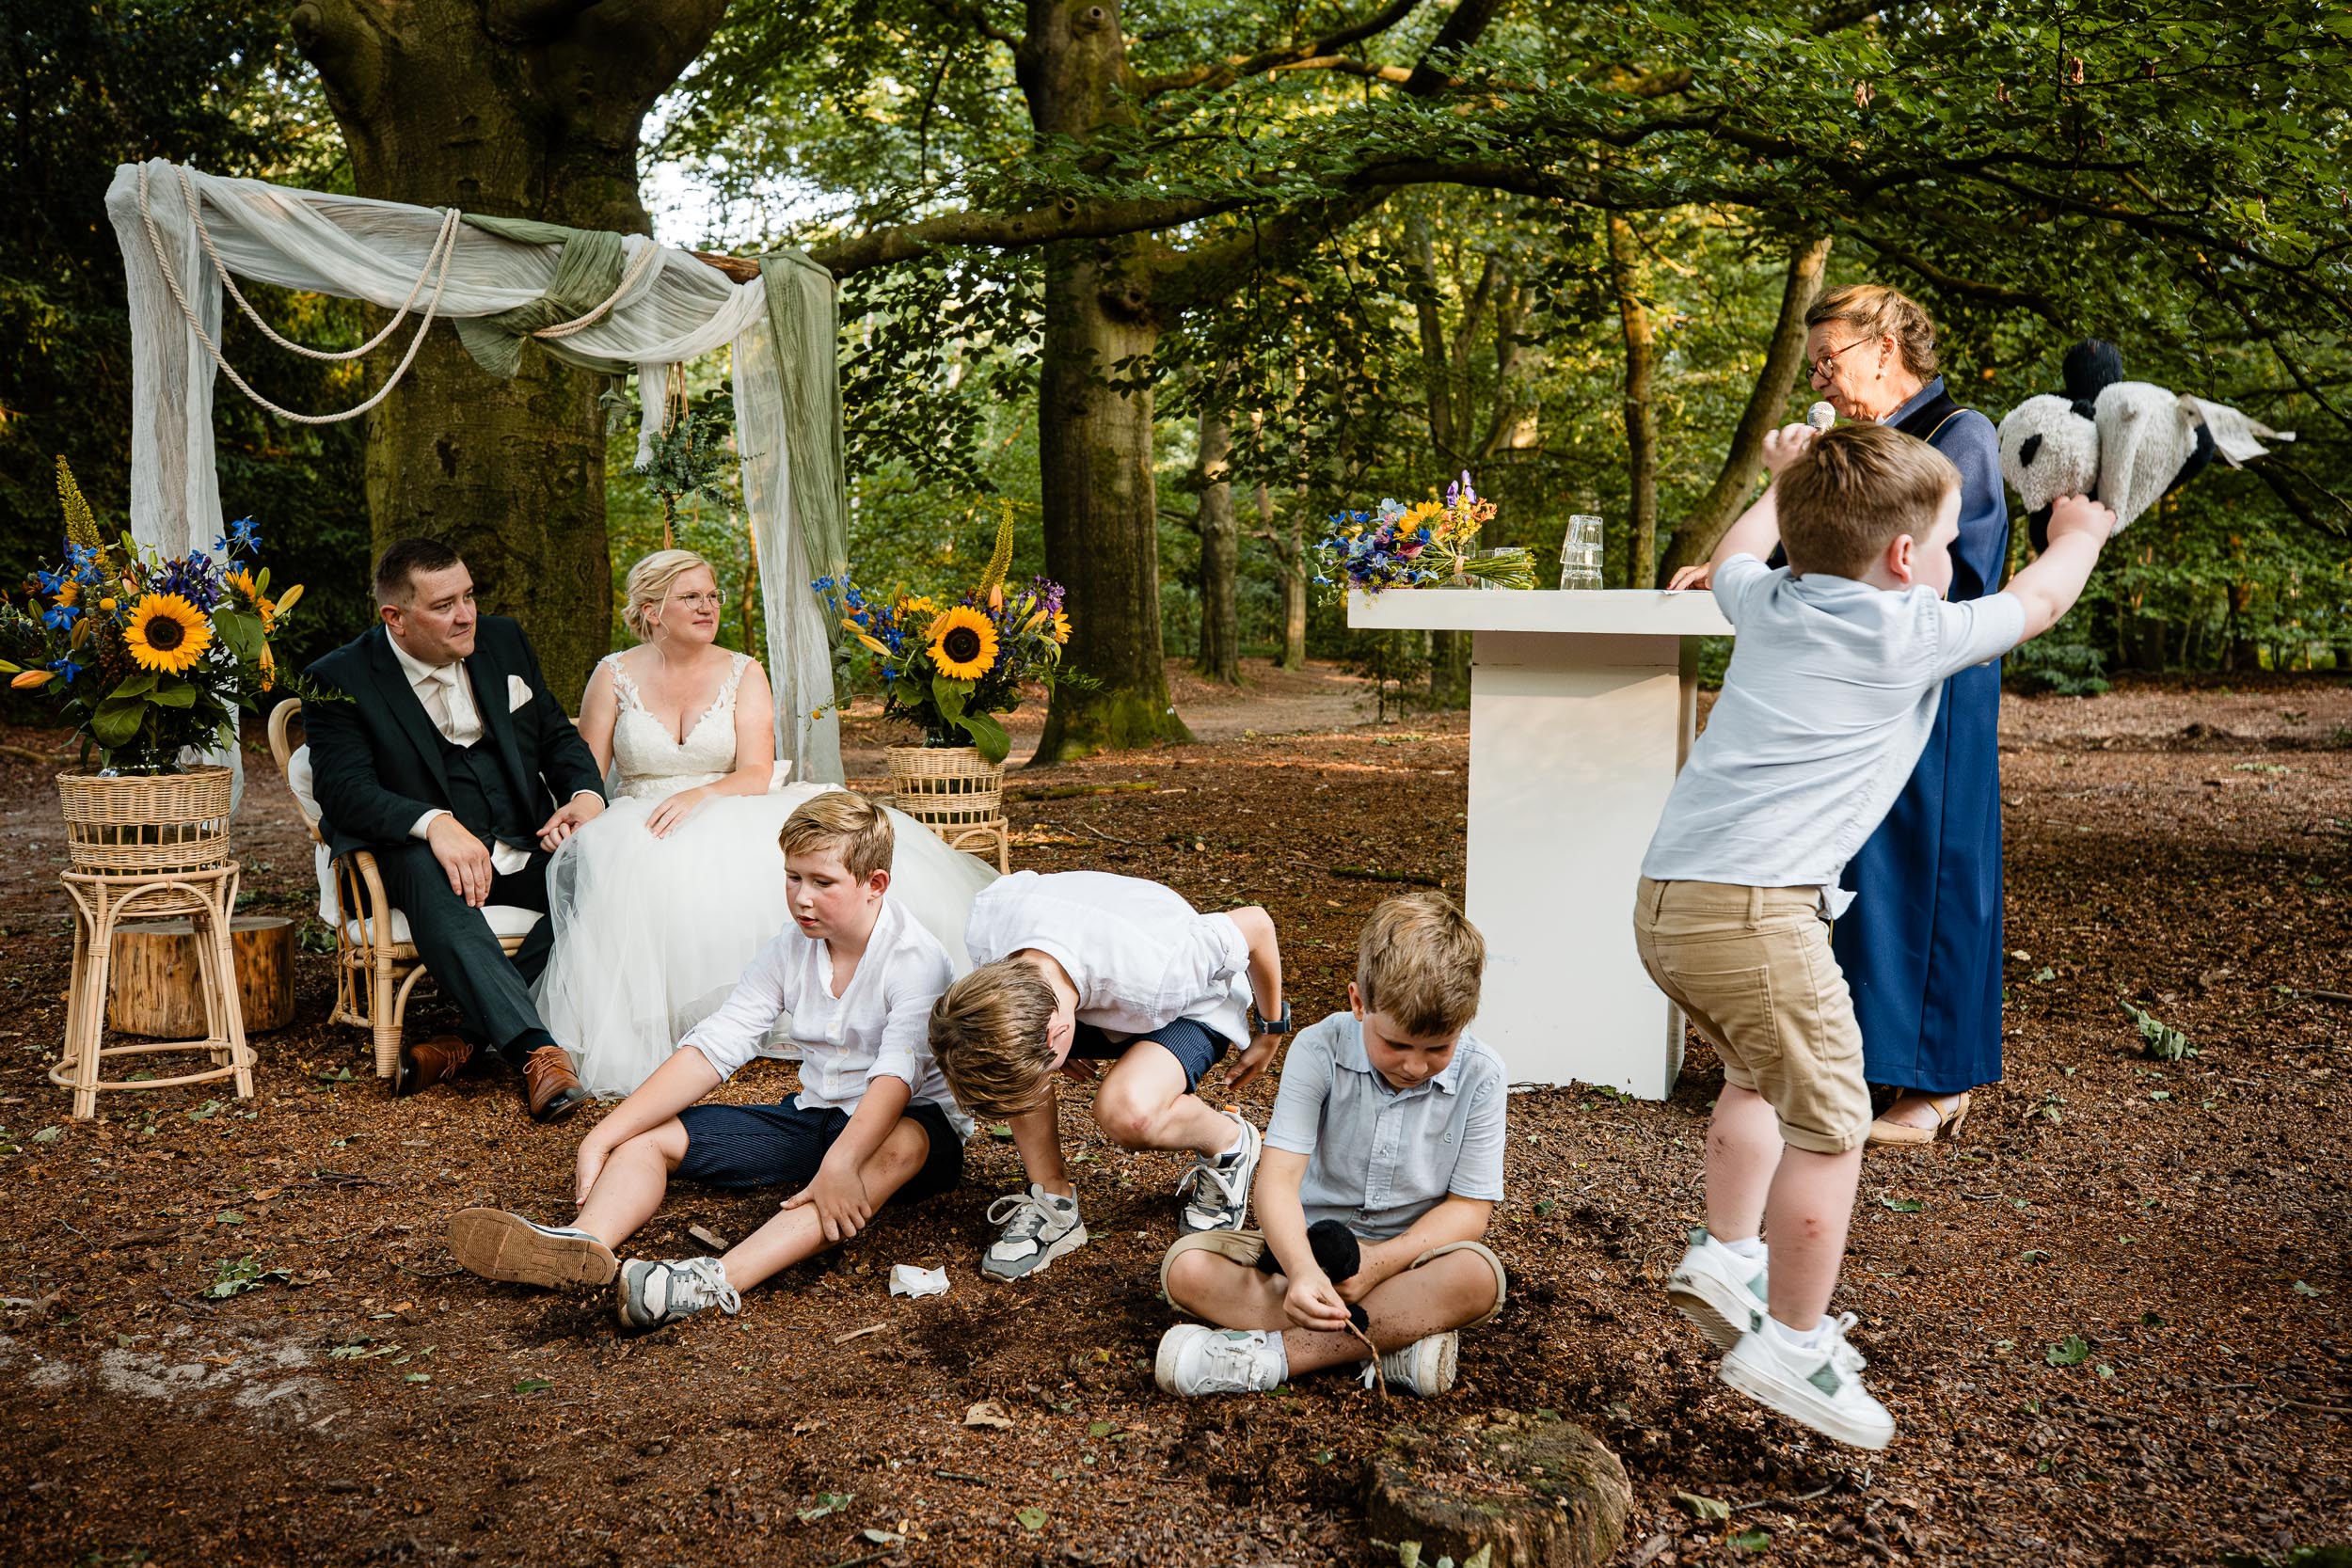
(378, 764)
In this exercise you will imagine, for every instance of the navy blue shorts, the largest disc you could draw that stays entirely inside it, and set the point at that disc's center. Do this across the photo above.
(1191, 1042)
(782, 1146)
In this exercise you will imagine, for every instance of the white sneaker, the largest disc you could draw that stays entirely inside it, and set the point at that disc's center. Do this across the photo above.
(1038, 1226)
(1197, 1359)
(1819, 1385)
(1425, 1367)
(651, 1294)
(1219, 1184)
(1718, 1291)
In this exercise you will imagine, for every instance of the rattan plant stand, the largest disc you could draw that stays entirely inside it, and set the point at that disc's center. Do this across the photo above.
(953, 793)
(149, 847)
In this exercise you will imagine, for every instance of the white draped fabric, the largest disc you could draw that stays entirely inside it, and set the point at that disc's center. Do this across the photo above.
(671, 308)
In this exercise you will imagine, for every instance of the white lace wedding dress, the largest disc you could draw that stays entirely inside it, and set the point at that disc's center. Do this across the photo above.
(651, 933)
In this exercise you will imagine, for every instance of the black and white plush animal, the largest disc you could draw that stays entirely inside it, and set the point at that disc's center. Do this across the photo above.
(2122, 442)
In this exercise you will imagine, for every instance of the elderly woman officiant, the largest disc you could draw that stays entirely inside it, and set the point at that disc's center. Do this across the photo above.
(1921, 946)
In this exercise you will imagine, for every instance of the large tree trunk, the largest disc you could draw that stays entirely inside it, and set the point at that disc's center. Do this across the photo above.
(1639, 551)
(1221, 551)
(1695, 539)
(1094, 438)
(1290, 555)
(516, 111)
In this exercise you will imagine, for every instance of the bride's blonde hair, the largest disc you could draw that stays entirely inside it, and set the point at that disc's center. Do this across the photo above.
(649, 584)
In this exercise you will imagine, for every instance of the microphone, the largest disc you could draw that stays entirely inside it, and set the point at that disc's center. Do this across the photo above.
(1820, 415)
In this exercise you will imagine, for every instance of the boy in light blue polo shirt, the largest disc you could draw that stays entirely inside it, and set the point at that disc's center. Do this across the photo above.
(1383, 1164)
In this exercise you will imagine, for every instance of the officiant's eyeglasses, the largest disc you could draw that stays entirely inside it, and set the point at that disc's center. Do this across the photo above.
(1827, 364)
(717, 599)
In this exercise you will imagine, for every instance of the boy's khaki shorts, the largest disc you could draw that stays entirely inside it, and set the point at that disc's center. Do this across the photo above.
(1245, 1246)
(1752, 967)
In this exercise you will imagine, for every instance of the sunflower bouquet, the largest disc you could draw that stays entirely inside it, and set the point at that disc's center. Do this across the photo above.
(950, 668)
(148, 657)
(1395, 545)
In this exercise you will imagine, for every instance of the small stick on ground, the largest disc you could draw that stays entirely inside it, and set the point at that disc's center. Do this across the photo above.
(959, 1475)
(860, 1333)
(1378, 1376)
(1108, 838)
(1373, 874)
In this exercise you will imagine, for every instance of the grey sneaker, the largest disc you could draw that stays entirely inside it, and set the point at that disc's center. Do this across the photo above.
(1219, 1184)
(651, 1294)
(499, 1245)
(1194, 1358)
(1038, 1226)
(1425, 1367)
(1819, 1386)
(1718, 1291)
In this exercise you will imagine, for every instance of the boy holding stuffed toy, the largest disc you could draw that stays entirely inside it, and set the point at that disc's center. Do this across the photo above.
(1828, 698)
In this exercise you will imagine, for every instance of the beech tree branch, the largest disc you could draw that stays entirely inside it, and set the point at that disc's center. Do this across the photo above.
(1990, 293)
(1225, 73)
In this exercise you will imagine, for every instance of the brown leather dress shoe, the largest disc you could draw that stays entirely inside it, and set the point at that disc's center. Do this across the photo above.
(425, 1062)
(553, 1089)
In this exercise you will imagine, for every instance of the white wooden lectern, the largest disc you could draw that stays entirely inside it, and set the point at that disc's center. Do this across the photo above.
(1581, 710)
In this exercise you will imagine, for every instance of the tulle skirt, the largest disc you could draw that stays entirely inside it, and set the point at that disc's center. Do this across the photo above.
(651, 933)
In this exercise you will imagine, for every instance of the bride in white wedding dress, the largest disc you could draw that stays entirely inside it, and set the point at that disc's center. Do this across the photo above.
(659, 903)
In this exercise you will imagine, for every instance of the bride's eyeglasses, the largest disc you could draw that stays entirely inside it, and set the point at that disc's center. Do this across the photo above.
(716, 599)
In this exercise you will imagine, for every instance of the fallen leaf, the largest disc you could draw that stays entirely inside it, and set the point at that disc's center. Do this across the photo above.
(988, 1413)
(1701, 1509)
(710, 1239)
(1032, 1519)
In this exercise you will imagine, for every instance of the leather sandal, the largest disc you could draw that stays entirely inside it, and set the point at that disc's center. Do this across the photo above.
(1950, 1111)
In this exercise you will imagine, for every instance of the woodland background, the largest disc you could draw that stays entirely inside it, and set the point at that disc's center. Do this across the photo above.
(1180, 279)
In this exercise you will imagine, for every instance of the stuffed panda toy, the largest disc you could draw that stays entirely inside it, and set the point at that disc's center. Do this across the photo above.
(2126, 443)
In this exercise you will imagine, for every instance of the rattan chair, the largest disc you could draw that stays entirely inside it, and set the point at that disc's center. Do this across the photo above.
(377, 966)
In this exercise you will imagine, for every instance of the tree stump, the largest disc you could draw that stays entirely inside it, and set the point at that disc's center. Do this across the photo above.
(156, 988)
(1533, 1492)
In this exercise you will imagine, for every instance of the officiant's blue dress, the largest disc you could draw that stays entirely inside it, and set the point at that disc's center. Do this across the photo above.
(1921, 946)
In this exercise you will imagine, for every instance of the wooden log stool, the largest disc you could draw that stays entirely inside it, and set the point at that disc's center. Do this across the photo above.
(157, 987)
(101, 902)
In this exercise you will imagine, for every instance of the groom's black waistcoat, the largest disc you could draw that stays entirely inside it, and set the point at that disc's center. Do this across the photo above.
(380, 763)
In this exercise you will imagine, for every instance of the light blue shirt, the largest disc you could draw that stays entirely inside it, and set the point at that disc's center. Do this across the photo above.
(1827, 704)
(1379, 1158)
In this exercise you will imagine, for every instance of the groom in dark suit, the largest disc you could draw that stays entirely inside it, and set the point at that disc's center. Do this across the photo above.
(450, 763)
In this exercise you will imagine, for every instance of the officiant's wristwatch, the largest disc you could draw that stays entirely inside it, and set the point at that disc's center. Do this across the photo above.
(1262, 1025)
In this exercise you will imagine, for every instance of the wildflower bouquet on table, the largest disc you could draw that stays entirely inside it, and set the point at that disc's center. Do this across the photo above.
(1395, 545)
(951, 668)
(147, 657)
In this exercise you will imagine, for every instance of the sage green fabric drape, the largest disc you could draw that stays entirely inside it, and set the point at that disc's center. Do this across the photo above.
(802, 315)
(587, 270)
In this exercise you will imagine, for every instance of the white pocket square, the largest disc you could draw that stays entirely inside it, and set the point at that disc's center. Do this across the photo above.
(518, 693)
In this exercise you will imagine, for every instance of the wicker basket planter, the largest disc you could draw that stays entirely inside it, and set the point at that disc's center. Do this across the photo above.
(142, 824)
(952, 792)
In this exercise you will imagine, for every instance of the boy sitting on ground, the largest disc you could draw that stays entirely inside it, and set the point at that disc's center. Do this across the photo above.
(1828, 701)
(1383, 1164)
(1083, 966)
(872, 1123)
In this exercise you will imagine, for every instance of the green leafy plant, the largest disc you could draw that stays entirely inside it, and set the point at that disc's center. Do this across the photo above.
(2159, 1039)
(691, 459)
(2073, 1350)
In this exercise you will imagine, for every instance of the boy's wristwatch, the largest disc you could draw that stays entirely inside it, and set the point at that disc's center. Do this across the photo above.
(1262, 1026)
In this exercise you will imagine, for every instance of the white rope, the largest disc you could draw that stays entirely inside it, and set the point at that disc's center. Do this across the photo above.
(446, 237)
(628, 281)
(171, 280)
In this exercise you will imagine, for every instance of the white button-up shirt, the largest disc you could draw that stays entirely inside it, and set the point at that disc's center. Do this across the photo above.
(877, 1027)
(1139, 955)
(447, 699)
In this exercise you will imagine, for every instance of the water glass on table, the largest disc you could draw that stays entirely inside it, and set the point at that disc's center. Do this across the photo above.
(1580, 553)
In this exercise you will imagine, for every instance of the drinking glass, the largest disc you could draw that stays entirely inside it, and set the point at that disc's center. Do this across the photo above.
(1580, 553)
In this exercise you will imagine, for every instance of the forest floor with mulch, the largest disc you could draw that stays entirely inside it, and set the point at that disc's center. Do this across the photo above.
(2109, 1317)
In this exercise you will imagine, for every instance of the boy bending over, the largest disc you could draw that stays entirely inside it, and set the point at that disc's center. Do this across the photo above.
(1384, 1160)
(872, 1124)
(1832, 684)
(1083, 966)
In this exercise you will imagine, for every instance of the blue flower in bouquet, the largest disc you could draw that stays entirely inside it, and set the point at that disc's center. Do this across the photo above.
(61, 617)
(241, 536)
(194, 578)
